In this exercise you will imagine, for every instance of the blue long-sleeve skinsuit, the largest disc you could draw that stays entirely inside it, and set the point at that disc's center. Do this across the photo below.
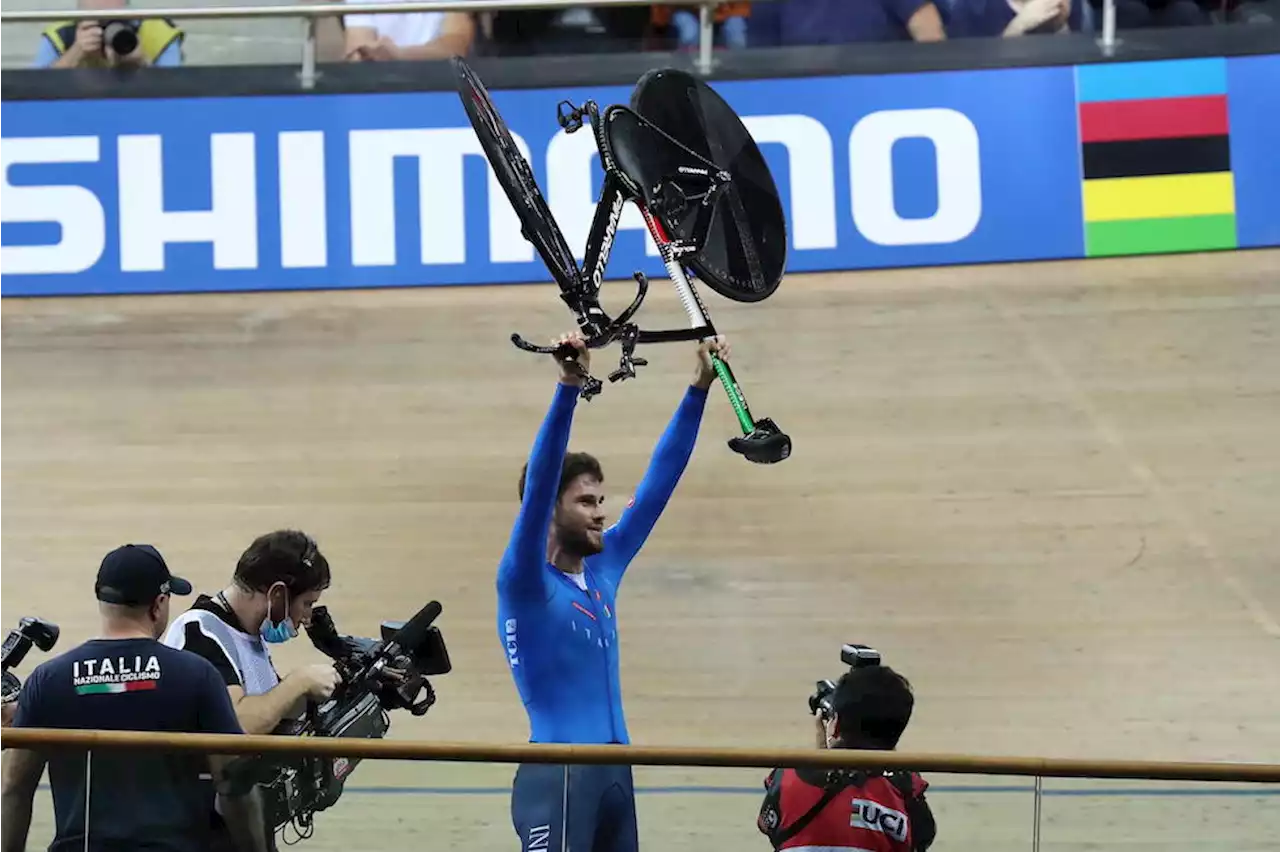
(562, 642)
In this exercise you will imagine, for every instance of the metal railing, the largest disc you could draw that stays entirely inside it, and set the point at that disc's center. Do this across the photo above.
(1036, 768)
(312, 12)
(620, 755)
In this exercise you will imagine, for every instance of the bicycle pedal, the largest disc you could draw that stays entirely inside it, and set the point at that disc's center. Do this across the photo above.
(570, 121)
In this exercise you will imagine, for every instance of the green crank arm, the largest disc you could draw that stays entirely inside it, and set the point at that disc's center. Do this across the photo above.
(736, 399)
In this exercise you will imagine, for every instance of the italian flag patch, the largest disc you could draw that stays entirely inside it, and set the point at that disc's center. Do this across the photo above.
(130, 686)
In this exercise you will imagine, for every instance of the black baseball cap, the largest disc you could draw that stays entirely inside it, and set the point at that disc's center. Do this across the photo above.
(136, 574)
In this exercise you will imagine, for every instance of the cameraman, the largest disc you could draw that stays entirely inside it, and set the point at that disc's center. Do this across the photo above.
(112, 43)
(277, 581)
(125, 680)
(853, 809)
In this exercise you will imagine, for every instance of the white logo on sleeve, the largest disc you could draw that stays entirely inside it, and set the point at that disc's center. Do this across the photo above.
(513, 652)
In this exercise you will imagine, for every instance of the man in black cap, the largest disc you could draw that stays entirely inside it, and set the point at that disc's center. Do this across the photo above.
(125, 680)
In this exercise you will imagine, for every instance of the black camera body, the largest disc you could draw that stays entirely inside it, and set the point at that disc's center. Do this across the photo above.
(121, 36)
(30, 632)
(853, 656)
(378, 676)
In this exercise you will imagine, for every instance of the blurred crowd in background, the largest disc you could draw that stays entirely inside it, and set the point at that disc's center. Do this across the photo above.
(586, 29)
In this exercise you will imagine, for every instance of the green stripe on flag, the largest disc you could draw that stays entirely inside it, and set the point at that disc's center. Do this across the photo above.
(98, 688)
(1155, 236)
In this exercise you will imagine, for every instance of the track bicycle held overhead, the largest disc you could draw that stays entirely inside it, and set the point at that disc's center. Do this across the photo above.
(684, 158)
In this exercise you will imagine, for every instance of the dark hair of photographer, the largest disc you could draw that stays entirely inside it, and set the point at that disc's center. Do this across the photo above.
(871, 708)
(279, 557)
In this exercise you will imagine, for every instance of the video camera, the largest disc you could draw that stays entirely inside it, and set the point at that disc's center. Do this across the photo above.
(377, 676)
(853, 656)
(31, 631)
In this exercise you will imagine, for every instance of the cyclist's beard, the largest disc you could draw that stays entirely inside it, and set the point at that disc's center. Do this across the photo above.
(580, 543)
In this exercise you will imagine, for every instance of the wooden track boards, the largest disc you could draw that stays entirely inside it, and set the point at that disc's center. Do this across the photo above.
(1047, 493)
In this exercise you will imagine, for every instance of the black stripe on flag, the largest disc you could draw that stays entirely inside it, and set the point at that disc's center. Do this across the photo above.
(1139, 158)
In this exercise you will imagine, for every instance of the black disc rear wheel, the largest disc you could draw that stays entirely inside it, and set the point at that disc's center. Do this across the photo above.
(744, 255)
(516, 177)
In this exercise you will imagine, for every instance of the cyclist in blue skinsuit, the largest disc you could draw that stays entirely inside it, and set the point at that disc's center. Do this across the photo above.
(557, 618)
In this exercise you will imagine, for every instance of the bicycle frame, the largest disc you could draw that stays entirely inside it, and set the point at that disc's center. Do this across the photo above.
(698, 182)
(582, 294)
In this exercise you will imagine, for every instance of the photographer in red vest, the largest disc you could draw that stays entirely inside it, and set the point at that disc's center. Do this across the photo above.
(805, 809)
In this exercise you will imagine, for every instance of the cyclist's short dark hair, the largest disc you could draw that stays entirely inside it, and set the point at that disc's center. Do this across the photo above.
(575, 465)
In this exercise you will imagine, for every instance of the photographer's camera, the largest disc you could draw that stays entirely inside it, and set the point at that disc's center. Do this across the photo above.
(30, 632)
(121, 36)
(853, 656)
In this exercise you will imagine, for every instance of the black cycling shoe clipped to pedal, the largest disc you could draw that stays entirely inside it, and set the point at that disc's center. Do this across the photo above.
(767, 444)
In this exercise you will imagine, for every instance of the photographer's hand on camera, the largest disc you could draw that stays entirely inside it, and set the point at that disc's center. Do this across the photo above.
(820, 730)
(88, 43)
(317, 681)
(263, 713)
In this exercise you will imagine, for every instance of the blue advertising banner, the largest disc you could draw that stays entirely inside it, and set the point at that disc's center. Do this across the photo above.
(337, 191)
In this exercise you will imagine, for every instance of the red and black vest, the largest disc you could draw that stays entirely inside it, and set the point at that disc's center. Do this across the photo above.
(868, 813)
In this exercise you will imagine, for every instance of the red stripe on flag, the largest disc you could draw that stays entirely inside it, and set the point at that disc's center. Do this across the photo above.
(582, 609)
(139, 685)
(1165, 118)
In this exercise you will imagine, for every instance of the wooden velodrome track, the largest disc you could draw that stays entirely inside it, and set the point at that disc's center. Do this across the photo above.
(1048, 493)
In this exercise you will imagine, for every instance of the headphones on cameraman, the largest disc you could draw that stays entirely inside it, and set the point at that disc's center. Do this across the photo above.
(309, 553)
(306, 561)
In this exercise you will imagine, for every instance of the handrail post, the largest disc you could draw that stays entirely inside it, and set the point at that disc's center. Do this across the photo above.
(1108, 40)
(307, 76)
(706, 35)
(1035, 816)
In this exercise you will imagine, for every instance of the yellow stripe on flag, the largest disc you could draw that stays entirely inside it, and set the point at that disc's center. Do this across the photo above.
(1162, 197)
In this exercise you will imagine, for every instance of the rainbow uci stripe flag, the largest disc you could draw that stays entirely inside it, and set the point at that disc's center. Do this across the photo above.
(1156, 156)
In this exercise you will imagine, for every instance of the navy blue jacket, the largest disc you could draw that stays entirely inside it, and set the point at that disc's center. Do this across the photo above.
(562, 642)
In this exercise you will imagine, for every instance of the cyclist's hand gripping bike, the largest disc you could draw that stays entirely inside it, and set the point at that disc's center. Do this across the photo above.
(684, 158)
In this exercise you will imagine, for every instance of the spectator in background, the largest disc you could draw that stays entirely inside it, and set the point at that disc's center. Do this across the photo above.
(780, 23)
(1139, 14)
(1012, 18)
(407, 37)
(571, 30)
(1250, 12)
(730, 24)
(110, 44)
